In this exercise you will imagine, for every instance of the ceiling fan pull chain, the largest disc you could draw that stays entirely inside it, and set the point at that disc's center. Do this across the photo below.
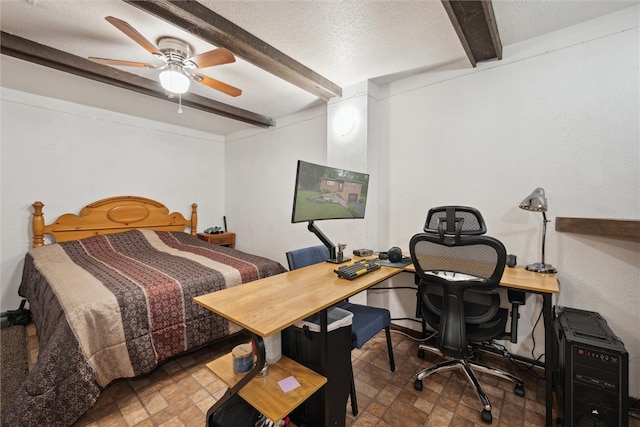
(179, 103)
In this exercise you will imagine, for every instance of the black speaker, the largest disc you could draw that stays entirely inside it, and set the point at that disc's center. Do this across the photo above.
(591, 374)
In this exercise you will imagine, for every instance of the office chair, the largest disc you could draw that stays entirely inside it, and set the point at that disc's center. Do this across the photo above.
(457, 272)
(367, 321)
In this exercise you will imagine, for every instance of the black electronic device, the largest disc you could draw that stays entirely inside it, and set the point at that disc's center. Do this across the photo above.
(362, 252)
(394, 255)
(214, 230)
(591, 371)
(322, 193)
(21, 316)
(357, 268)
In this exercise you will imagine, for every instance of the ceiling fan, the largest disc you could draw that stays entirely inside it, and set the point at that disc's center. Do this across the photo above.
(179, 66)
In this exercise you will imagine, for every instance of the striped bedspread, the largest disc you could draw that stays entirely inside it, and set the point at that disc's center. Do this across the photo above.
(115, 306)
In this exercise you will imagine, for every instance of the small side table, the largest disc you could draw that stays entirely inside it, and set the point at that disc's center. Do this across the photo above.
(222, 239)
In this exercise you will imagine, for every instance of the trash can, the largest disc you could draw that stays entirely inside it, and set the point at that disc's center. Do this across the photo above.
(302, 343)
(234, 412)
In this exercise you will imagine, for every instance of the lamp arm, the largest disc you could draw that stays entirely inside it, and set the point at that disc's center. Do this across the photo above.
(544, 233)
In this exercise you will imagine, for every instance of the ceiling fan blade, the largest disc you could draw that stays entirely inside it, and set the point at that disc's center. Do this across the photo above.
(217, 85)
(213, 57)
(134, 35)
(118, 62)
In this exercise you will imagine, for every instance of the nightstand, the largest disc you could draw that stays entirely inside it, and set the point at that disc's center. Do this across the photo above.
(222, 239)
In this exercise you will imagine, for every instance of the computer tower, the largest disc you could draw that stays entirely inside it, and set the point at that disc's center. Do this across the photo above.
(591, 372)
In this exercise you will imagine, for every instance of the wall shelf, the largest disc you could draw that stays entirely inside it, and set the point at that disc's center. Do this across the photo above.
(621, 228)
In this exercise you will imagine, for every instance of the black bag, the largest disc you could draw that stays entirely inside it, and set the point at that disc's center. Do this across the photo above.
(21, 316)
(235, 412)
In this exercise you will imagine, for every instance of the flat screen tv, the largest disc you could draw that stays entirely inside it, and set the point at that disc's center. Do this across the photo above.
(324, 192)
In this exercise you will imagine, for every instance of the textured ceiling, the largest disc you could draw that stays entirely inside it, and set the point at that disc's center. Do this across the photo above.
(346, 42)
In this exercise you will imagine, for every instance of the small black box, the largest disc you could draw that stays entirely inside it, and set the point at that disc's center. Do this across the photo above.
(362, 252)
(591, 372)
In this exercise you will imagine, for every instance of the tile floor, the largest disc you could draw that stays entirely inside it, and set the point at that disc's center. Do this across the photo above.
(180, 392)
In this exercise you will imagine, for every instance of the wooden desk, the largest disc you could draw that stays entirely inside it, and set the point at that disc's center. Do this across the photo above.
(269, 305)
(545, 285)
(520, 278)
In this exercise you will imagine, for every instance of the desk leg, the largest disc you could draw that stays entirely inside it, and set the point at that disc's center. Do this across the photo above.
(324, 362)
(548, 357)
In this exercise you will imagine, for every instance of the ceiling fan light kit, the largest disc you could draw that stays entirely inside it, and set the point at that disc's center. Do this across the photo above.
(174, 80)
(179, 66)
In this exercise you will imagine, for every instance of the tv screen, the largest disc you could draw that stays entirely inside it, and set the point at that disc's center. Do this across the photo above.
(323, 192)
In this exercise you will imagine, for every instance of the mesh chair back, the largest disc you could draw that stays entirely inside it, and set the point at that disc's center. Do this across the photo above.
(476, 260)
(452, 249)
(450, 258)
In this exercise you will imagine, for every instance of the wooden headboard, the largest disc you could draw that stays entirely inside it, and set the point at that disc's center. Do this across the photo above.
(112, 215)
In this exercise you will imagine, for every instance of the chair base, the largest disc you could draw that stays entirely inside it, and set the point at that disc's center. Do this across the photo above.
(468, 367)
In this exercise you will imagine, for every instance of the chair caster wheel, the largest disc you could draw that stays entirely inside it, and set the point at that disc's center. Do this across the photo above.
(417, 384)
(486, 416)
(421, 353)
(519, 390)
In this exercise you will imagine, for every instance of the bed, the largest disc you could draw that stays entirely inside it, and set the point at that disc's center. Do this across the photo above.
(113, 298)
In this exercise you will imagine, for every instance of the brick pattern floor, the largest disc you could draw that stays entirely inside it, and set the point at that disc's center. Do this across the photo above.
(180, 392)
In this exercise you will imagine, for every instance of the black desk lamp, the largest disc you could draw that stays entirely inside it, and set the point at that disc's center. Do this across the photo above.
(537, 202)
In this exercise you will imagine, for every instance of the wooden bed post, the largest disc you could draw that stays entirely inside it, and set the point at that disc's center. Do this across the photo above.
(194, 219)
(37, 223)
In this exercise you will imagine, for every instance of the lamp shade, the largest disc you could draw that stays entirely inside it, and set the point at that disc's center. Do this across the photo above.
(535, 201)
(174, 80)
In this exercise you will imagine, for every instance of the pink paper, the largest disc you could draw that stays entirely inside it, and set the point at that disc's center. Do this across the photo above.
(288, 384)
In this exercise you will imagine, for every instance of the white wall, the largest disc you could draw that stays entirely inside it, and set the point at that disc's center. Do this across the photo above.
(260, 178)
(67, 156)
(561, 112)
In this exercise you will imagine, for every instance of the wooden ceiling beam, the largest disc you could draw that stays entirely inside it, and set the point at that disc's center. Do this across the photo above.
(475, 24)
(28, 50)
(202, 22)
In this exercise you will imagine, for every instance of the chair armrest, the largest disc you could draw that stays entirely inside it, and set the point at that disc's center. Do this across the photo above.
(516, 298)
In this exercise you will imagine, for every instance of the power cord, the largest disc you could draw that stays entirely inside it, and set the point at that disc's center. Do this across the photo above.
(414, 338)
(521, 366)
(533, 338)
(525, 367)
